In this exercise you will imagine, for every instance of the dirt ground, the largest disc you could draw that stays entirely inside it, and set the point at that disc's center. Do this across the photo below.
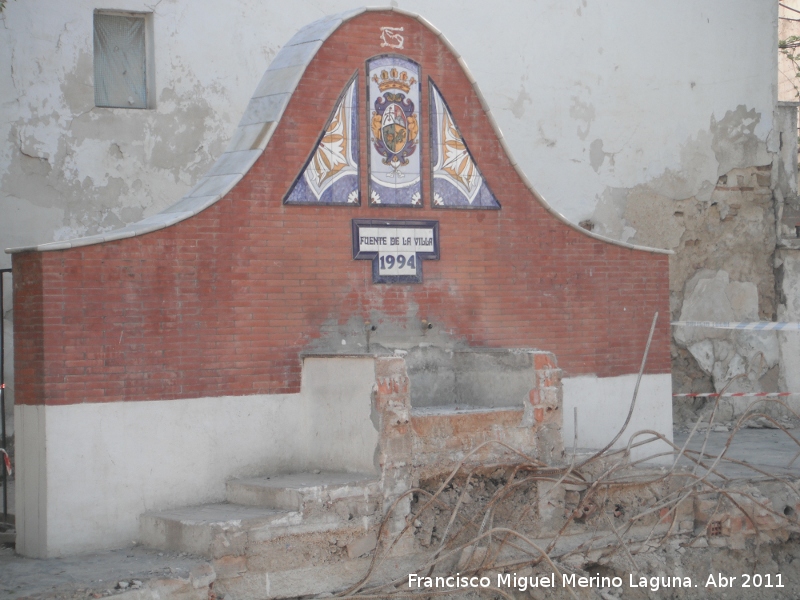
(690, 561)
(709, 573)
(88, 576)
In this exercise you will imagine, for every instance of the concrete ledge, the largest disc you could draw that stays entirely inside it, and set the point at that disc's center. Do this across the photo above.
(296, 491)
(211, 530)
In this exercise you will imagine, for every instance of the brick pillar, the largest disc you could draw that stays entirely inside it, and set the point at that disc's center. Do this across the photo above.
(546, 404)
(392, 402)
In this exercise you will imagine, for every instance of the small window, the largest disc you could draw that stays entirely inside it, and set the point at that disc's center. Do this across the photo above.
(120, 60)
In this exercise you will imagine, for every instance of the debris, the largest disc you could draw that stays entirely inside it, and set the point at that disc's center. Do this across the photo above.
(639, 513)
(585, 511)
(761, 423)
(363, 545)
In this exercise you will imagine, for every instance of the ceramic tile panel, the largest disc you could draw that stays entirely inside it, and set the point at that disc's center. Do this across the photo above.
(396, 248)
(331, 174)
(393, 129)
(457, 182)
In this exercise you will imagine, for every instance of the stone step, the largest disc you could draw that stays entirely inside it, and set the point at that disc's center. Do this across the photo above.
(308, 492)
(211, 530)
(262, 509)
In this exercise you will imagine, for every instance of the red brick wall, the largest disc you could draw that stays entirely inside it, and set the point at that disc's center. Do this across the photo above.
(224, 302)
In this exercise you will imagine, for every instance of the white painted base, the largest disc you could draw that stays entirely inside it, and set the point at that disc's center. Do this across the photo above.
(86, 472)
(603, 405)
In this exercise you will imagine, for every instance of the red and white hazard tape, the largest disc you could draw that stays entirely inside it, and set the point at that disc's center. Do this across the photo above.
(738, 395)
(7, 462)
(743, 325)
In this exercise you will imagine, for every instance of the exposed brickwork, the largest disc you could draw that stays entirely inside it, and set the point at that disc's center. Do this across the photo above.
(224, 302)
(419, 445)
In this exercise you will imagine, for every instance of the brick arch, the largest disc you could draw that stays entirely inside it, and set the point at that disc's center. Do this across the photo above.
(226, 298)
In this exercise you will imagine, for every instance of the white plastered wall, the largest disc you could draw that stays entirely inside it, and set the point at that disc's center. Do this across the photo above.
(591, 96)
(87, 471)
(603, 405)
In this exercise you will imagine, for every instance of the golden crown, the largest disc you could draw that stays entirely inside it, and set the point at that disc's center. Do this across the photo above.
(394, 80)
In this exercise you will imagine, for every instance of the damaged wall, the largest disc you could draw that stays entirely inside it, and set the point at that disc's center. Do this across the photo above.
(723, 271)
(69, 169)
(719, 217)
(735, 262)
(585, 118)
(641, 131)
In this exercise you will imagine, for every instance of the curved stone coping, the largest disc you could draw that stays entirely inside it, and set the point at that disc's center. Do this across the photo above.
(259, 122)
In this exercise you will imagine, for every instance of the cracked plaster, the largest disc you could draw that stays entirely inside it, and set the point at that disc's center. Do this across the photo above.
(716, 212)
(517, 106)
(728, 144)
(590, 102)
(83, 170)
(738, 358)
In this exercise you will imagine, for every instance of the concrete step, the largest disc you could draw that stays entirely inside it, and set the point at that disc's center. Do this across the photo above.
(263, 509)
(211, 530)
(309, 492)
